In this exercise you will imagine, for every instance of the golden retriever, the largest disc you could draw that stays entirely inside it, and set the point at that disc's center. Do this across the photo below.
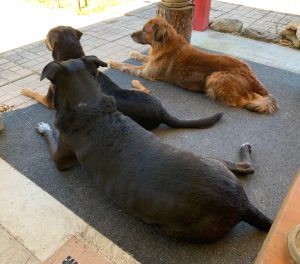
(174, 60)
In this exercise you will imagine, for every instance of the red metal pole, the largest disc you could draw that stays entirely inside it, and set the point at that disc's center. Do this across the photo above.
(201, 14)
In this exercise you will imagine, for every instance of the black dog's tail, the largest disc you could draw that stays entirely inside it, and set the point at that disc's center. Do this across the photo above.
(172, 121)
(257, 219)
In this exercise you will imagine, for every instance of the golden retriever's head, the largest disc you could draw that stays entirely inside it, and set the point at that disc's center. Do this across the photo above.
(156, 30)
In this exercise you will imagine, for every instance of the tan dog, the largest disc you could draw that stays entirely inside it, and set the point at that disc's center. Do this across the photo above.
(174, 60)
(64, 43)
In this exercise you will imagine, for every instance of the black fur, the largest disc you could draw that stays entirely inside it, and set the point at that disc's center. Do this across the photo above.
(143, 108)
(181, 194)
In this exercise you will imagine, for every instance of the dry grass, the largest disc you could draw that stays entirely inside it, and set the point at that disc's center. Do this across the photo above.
(83, 7)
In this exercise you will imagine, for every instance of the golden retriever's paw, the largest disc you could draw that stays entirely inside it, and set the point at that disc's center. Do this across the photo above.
(26, 92)
(42, 127)
(134, 54)
(139, 87)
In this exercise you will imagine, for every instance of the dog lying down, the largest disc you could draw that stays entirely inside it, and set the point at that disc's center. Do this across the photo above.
(180, 194)
(174, 60)
(148, 111)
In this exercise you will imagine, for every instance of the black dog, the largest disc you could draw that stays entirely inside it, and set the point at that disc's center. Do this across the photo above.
(182, 195)
(64, 42)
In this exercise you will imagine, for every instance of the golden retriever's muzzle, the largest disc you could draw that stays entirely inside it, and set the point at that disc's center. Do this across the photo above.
(138, 37)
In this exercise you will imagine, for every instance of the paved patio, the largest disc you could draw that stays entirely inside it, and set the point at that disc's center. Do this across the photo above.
(110, 39)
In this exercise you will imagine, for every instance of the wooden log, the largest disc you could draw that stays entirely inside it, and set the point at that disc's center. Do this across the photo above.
(180, 18)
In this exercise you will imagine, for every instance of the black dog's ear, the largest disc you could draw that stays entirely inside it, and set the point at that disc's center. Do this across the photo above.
(51, 70)
(92, 63)
(160, 32)
(94, 60)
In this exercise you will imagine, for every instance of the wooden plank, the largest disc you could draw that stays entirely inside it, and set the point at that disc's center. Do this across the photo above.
(275, 247)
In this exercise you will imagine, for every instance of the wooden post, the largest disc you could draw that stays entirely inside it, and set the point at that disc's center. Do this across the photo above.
(79, 6)
(179, 17)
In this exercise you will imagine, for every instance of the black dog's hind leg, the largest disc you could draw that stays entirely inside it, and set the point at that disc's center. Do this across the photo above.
(62, 157)
(243, 167)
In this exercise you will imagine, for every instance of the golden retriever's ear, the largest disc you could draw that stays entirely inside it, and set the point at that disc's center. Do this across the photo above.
(51, 70)
(160, 32)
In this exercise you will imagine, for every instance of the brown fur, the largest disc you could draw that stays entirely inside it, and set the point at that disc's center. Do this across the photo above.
(174, 60)
(64, 43)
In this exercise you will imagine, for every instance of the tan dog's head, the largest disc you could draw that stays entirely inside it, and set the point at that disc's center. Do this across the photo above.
(156, 30)
(64, 43)
(57, 34)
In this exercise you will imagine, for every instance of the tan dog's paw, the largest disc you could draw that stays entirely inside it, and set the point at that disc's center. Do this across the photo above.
(134, 54)
(26, 91)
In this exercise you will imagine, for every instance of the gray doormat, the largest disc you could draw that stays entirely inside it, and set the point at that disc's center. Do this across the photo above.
(275, 142)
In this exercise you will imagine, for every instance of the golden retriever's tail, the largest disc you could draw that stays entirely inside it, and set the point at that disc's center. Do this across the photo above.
(172, 121)
(262, 104)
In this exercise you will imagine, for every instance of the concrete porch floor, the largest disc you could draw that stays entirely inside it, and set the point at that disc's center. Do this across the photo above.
(29, 237)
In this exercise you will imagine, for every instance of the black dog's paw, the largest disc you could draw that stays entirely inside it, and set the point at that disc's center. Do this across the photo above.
(246, 147)
(69, 260)
(42, 127)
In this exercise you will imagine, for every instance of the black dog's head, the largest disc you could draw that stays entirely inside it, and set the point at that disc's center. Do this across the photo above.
(64, 42)
(74, 81)
(78, 98)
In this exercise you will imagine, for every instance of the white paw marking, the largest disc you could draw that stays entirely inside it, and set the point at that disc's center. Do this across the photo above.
(81, 104)
(246, 144)
(42, 127)
(109, 62)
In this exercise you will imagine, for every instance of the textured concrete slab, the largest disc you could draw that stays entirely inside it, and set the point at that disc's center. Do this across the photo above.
(265, 53)
(13, 252)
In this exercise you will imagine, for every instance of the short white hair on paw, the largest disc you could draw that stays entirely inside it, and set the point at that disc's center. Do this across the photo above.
(109, 62)
(42, 127)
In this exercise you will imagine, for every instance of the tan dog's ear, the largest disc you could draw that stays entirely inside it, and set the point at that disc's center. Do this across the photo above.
(51, 70)
(51, 40)
(160, 32)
